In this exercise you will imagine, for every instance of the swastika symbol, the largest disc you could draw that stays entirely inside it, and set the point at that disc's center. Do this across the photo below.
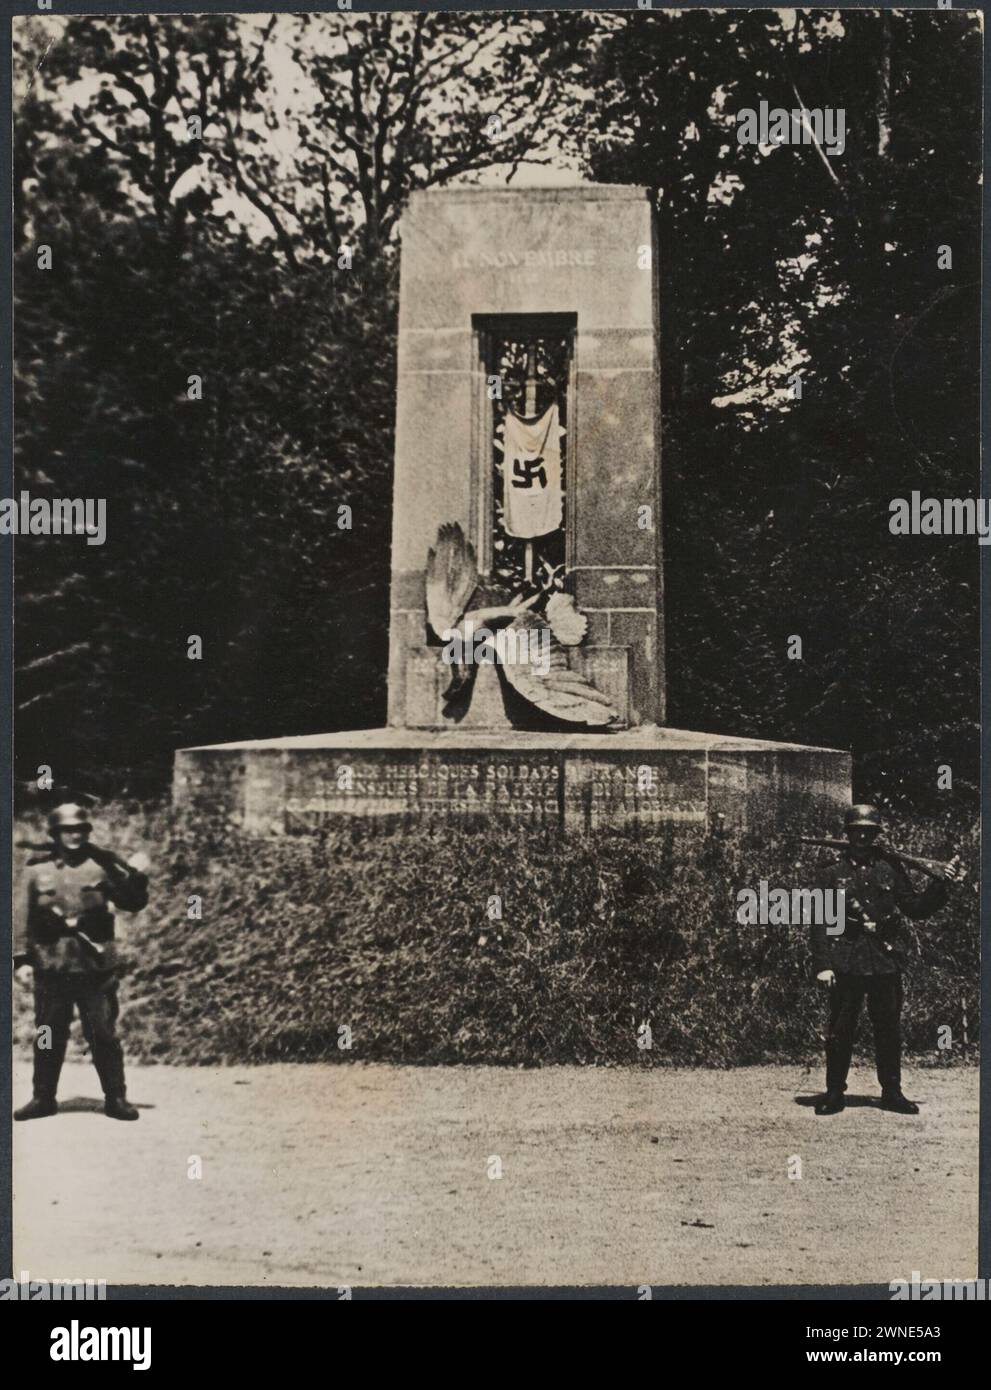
(528, 472)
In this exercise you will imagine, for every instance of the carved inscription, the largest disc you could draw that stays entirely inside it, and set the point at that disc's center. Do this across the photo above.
(444, 787)
(614, 793)
(548, 259)
(529, 791)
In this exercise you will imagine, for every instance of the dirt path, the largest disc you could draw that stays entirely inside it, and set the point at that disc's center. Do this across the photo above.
(380, 1175)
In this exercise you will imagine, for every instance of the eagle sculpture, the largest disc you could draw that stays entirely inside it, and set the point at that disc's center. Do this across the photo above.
(457, 599)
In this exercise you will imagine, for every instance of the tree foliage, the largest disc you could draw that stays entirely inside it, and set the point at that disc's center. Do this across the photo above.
(777, 261)
(182, 250)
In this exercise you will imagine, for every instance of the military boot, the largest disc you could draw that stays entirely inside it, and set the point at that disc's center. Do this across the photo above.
(37, 1108)
(118, 1108)
(901, 1105)
(831, 1103)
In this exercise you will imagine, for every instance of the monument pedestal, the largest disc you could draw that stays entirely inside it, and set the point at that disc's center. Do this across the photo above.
(647, 776)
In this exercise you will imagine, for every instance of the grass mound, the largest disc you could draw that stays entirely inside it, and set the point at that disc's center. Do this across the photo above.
(441, 945)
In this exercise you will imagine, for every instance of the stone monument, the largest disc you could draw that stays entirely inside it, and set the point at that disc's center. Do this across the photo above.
(526, 496)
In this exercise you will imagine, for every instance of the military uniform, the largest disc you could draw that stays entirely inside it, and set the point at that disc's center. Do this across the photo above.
(66, 933)
(868, 957)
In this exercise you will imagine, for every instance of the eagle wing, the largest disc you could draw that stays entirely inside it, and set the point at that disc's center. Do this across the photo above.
(551, 686)
(452, 573)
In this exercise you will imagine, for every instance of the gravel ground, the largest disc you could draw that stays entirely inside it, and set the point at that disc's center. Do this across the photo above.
(374, 1174)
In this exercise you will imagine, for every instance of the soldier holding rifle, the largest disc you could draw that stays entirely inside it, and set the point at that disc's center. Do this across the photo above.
(866, 959)
(65, 938)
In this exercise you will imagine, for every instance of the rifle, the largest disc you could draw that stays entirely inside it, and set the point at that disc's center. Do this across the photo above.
(915, 861)
(94, 951)
(106, 858)
(119, 870)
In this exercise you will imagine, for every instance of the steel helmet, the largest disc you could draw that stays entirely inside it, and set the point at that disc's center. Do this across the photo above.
(867, 816)
(68, 817)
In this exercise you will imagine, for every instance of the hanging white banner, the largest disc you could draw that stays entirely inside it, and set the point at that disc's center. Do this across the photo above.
(531, 471)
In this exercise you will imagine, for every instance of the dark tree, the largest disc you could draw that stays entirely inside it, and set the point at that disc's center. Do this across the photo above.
(788, 260)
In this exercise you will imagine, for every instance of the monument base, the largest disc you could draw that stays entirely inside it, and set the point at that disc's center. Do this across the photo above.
(647, 776)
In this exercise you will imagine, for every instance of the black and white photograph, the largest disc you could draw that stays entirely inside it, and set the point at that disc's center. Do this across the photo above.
(496, 530)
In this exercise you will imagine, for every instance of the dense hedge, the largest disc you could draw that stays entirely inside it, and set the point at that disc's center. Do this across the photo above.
(389, 935)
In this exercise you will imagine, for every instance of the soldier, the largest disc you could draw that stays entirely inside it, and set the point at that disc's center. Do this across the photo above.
(867, 958)
(66, 938)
